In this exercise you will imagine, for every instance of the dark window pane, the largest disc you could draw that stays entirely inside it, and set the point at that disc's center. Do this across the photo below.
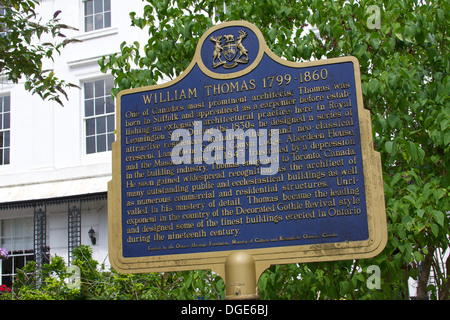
(19, 262)
(1, 139)
(6, 139)
(90, 145)
(6, 120)
(109, 84)
(101, 143)
(89, 23)
(107, 19)
(98, 21)
(107, 5)
(88, 90)
(98, 6)
(109, 105)
(110, 123)
(88, 7)
(89, 108)
(99, 106)
(99, 88)
(101, 125)
(6, 157)
(7, 265)
(6, 104)
(90, 127)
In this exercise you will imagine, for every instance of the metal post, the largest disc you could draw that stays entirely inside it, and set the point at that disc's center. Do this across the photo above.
(40, 235)
(241, 282)
(40, 239)
(74, 228)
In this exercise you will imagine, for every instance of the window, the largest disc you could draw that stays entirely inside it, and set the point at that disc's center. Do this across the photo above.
(97, 14)
(3, 28)
(99, 115)
(16, 236)
(5, 123)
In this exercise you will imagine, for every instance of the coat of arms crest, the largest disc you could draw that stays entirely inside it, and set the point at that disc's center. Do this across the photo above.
(229, 49)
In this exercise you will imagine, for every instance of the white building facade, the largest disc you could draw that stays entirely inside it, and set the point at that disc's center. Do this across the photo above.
(55, 162)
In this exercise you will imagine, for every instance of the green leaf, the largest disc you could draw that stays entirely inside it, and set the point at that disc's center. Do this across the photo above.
(394, 121)
(375, 40)
(359, 50)
(388, 146)
(435, 229)
(418, 256)
(344, 287)
(447, 138)
(421, 155)
(188, 281)
(412, 150)
(420, 213)
(438, 217)
(439, 193)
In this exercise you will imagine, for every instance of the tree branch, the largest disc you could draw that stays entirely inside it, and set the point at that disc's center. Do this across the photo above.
(424, 275)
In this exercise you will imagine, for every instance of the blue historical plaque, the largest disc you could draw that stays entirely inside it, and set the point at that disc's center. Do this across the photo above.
(245, 151)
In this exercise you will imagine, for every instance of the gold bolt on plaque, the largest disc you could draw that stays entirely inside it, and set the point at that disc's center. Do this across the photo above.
(240, 277)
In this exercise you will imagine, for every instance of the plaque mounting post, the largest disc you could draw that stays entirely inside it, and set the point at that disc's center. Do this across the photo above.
(241, 282)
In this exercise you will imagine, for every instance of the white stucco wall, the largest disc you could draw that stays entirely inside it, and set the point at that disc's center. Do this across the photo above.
(48, 157)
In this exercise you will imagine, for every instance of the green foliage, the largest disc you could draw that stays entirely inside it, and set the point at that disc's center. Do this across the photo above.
(46, 283)
(52, 282)
(22, 54)
(404, 60)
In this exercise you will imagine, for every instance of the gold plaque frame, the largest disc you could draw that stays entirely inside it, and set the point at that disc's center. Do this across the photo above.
(263, 258)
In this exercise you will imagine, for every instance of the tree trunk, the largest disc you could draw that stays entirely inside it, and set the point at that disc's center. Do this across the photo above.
(444, 291)
(424, 275)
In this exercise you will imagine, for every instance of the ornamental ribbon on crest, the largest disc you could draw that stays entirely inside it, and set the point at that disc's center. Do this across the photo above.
(229, 50)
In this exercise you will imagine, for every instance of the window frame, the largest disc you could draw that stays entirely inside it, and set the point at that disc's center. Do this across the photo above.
(5, 130)
(104, 14)
(17, 256)
(3, 33)
(99, 116)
